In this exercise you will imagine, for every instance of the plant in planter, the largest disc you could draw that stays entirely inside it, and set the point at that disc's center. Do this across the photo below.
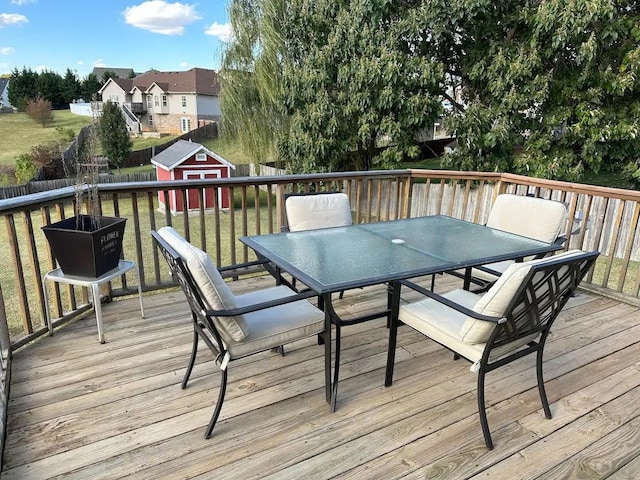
(87, 244)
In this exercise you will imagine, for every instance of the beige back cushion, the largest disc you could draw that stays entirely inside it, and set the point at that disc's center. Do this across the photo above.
(310, 212)
(214, 290)
(528, 216)
(495, 302)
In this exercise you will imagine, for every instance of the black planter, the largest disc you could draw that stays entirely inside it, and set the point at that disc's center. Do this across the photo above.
(84, 251)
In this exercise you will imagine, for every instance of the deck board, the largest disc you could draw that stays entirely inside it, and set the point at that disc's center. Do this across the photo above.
(79, 409)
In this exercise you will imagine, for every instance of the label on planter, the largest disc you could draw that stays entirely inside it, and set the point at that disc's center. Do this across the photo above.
(109, 241)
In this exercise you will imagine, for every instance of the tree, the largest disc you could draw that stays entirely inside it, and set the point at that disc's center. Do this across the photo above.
(114, 137)
(71, 87)
(251, 77)
(90, 87)
(354, 85)
(22, 87)
(329, 83)
(25, 169)
(107, 75)
(49, 87)
(556, 80)
(40, 111)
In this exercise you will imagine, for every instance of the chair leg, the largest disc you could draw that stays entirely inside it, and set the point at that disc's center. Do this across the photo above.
(483, 412)
(341, 295)
(541, 390)
(456, 356)
(192, 360)
(216, 412)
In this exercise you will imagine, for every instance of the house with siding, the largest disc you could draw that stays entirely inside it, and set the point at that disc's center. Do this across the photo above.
(167, 102)
(4, 95)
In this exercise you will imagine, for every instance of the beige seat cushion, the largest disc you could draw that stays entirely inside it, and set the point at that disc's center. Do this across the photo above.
(310, 212)
(214, 290)
(443, 324)
(495, 302)
(528, 216)
(277, 325)
(466, 335)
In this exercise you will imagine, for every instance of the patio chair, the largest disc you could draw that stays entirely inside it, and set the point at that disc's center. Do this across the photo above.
(312, 211)
(233, 326)
(508, 322)
(531, 217)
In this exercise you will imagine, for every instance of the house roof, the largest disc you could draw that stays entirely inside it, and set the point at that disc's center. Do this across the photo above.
(196, 80)
(126, 84)
(3, 84)
(120, 72)
(182, 150)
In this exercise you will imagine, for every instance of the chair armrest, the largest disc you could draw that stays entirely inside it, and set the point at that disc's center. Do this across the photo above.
(261, 306)
(559, 241)
(451, 304)
(240, 266)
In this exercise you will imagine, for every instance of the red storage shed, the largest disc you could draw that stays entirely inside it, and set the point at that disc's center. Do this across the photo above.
(186, 160)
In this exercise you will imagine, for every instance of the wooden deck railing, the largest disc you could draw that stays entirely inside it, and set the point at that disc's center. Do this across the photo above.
(600, 218)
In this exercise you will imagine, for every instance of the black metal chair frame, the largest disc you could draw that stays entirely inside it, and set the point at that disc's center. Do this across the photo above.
(533, 309)
(202, 318)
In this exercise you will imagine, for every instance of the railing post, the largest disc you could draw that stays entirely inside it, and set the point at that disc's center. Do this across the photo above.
(5, 374)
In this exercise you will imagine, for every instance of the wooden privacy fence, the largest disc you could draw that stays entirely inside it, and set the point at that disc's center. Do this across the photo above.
(600, 218)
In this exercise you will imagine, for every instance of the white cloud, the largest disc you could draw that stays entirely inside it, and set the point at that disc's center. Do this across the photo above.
(22, 2)
(160, 16)
(222, 31)
(184, 64)
(11, 19)
(99, 63)
(41, 68)
(6, 50)
(80, 62)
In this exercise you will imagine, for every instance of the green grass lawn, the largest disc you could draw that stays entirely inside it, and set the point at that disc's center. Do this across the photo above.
(18, 133)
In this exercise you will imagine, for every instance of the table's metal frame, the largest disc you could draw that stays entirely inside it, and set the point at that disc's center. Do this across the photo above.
(276, 265)
(93, 284)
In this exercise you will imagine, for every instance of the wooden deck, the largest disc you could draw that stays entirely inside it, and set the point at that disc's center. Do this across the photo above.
(79, 409)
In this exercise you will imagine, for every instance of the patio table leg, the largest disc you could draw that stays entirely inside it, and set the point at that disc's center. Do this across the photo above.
(326, 336)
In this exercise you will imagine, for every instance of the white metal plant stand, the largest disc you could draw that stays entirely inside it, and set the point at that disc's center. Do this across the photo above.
(94, 285)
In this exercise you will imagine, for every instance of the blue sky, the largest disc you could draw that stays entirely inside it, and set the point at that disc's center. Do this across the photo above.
(79, 34)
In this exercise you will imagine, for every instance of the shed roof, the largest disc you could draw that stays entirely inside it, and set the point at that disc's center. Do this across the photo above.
(182, 150)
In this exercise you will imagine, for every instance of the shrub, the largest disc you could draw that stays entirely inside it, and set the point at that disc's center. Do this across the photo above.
(40, 111)
(25, 169)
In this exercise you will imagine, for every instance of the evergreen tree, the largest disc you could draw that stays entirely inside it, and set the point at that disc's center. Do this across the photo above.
(90, 87)
(114, 137)
(71, 87)
(22, 87)
(49, 87)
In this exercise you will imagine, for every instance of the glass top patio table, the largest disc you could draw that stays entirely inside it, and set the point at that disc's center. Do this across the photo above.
(334, 259)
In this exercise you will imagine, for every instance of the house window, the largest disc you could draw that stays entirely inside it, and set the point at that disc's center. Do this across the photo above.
(164, 100)
(156, 100)
(184, 100)
(185, 124)
(151, 120)
(113, 98)
(201, 157)
(149, 102)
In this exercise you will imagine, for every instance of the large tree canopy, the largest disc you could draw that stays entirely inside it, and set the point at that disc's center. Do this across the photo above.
(353, 84)
(551, 88)
(546, 88)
